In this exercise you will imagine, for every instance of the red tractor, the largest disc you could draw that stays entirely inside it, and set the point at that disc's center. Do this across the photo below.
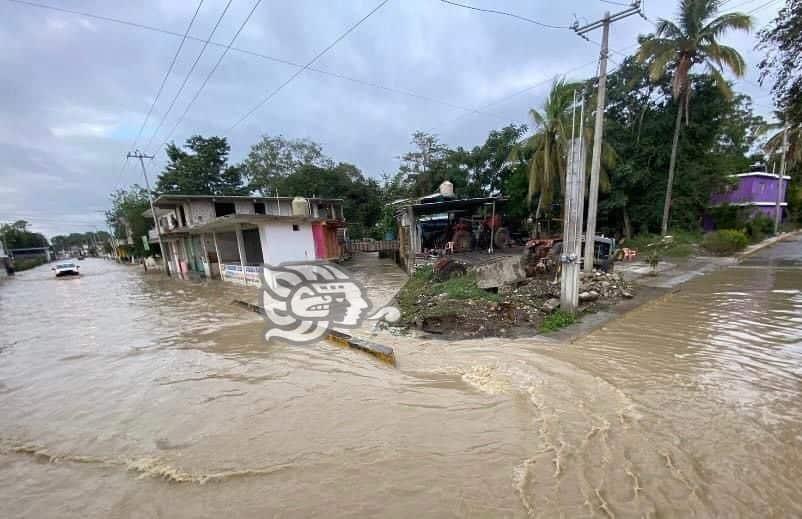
(470, 232)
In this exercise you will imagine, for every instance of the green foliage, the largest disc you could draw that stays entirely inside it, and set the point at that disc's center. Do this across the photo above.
(678, 244)
(361, 196)
(17, 236)
(28, 263)
(556, 321)
(274, 158)
(725, 242)
(125, 217)
(422, 287)
(93, 240)
(202, 170)
(759, 227)
(463, 287)
(712, 146)
(678, 47)
(782, 42)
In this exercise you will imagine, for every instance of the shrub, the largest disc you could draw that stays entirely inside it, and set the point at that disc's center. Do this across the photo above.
(725, 242)
(28, 263)
(759, 227)
(557, 320)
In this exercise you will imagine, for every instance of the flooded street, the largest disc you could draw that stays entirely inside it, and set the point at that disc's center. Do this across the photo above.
(126, 395)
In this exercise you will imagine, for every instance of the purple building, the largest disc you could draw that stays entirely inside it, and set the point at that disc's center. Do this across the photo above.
(756, 191)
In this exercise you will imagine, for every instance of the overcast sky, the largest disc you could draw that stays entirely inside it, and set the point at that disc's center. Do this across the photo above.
(75, 90)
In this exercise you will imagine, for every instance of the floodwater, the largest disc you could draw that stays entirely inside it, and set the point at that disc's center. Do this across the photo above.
(124, 395)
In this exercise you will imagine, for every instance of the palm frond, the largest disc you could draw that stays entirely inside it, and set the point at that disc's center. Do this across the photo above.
(726, 22)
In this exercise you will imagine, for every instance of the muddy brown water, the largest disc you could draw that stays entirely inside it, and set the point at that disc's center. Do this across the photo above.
(123, 395)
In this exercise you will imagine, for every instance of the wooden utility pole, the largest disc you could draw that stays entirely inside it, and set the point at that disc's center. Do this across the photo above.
(595, 166)
(778, 210)
(136, 154)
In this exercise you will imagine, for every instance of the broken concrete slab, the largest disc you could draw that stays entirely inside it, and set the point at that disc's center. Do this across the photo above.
(506, 271)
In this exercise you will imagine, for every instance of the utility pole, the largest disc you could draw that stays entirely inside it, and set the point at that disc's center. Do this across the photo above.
(141, 156)
(595, 165)
(779, 211)
(572, 220)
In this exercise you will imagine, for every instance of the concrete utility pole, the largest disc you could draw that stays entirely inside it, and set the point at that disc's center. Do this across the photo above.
(595, 166)
(572, 219)
(779, 211)
(141, 156)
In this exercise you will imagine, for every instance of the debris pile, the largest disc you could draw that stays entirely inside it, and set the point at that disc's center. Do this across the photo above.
(444, 300)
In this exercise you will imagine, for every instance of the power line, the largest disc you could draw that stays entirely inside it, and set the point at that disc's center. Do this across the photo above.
(758, 8)
(297, 73)
(505, 13)
(253, 53)
(186, 78)
(211, 72)
(167, 74)
(611, 2)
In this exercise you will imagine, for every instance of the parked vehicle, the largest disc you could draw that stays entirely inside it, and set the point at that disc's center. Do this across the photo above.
(66, 268)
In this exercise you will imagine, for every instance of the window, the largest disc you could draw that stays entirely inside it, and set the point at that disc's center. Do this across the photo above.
(296, 227)
(224, 208)
(259, 207)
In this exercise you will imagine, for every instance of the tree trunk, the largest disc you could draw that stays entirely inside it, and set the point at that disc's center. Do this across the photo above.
(627, 224)
(671, 166)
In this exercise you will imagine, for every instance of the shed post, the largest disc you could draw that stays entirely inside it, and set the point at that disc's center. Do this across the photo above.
(219, 258)
(412, 239)
(241, 249)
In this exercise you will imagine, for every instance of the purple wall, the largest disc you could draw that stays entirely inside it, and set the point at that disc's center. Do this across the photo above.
(752, 188)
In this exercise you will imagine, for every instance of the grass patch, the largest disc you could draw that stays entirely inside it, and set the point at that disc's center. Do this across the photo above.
(725, 242)
(463, 287)
(681, 245)
(27, 263)
(556, 321)
(420, 290)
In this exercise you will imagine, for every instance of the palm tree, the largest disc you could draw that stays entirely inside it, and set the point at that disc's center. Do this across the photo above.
(774, 145)
(691, 41)
(548, 148)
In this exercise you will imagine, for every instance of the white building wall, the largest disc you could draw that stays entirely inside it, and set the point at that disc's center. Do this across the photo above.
(244, 207)
(280, 243)
(200, 212)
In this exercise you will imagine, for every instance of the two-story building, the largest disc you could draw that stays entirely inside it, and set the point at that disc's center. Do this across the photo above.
(230, 237)
(755, 191)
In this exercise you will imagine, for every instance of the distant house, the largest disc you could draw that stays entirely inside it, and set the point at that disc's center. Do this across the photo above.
(230, 237)
(754, 191)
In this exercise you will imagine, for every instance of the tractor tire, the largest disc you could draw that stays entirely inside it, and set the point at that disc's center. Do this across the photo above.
(501, 238)
(462, 241)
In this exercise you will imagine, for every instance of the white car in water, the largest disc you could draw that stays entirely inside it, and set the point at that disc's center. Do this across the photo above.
(66, 268)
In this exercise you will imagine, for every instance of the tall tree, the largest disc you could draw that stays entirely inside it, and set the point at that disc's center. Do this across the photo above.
(201, 169)
(361, 196)
(17, 236)
(782, 43)
(548, 147)
(126, 219)
(417, 165)
(714, 145)
(274, 158)
(679, 46)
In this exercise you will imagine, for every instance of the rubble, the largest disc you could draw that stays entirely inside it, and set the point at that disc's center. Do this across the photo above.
(513, 308)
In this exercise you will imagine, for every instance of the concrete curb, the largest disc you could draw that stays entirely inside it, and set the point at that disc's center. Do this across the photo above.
(766, 243)
(381, 352)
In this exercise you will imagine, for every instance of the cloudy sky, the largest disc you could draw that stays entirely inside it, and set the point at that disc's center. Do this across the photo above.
(75, 89)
